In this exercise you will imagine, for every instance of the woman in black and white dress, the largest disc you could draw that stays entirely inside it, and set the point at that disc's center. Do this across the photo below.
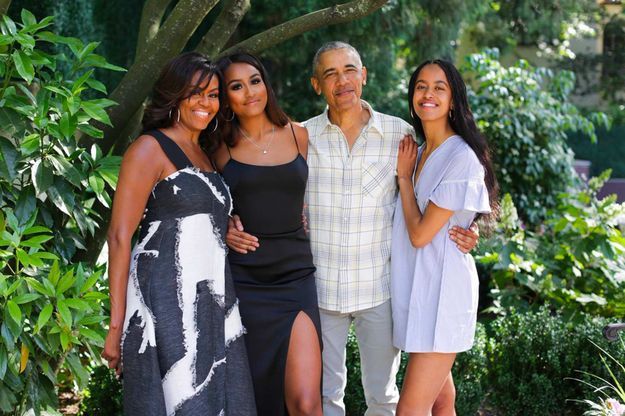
(174, 314)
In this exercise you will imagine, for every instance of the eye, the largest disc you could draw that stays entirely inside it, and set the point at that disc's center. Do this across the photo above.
(420, 87)
(256, 81)
(329, 75)
(213, 95)
(439, 88)
(235, 86)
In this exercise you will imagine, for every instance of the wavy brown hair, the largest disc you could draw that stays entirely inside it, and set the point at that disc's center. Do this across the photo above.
(175, 84)
(273, 110)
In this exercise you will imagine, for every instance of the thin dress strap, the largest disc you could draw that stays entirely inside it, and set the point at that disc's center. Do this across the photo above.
(171, 149)
(294, 137)
(228, 147)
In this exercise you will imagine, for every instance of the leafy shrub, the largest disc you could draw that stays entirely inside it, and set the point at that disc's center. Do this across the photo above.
(525, 113)
(103, 395)
(49, 187)
(534, 358)
(607, 153)
(576, 263)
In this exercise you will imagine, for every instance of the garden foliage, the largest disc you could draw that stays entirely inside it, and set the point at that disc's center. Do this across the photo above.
(525, 114)
(574, 263)
(49, 185)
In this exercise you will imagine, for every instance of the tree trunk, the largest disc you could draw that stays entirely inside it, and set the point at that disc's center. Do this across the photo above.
(223, 28)
(4, 6)
(330, 16)
(151, 17)
(136, 84)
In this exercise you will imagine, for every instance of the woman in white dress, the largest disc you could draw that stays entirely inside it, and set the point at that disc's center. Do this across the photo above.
(447, 181)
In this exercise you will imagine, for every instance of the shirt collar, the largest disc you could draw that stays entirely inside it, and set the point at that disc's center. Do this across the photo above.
(374, 119)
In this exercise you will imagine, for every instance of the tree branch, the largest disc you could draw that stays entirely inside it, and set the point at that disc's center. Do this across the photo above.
(223, 28)
(138, 81)
(330, 16)
(151, 17)
(4, 6)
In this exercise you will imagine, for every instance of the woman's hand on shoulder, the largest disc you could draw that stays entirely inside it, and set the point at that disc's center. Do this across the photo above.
(406, 158)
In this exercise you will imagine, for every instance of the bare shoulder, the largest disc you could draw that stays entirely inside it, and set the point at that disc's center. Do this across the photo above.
(144, 147)
(221, 156)
(145, 155)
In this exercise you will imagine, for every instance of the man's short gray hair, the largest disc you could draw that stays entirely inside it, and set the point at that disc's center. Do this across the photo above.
(330, 46)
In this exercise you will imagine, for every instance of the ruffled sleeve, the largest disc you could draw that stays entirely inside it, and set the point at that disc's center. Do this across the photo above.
(462, 186)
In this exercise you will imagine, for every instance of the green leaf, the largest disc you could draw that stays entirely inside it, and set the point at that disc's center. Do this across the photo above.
(44, 316)
(91, 131)
(4, 360)
(93, 319)
(25, 207)
(64, 312)
(42, 176)
(10, 25)
(96, 183)
(96, 85)
(2, 222)
(36, 230)
(66, 169)
(96, 111)
(64, 337)
(62, 196)
(26, 298)
(66, 282)
(24, 66)
(55, 273)
(28, 18)
(81, 80)
(23, 257)
(39, 287)
(14, 311)
(92, 335)
(8, 156)
(36, 241)
(27, 41)
(90, 282)
(90, 47)
(77, 304)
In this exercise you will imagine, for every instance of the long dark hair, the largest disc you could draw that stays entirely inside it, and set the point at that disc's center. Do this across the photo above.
(462, 122)
(175, 84)
(273, 110)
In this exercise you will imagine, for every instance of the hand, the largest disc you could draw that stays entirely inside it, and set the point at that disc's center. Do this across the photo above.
(237, 239)
(466, 240)
(406, 158)
(305, 220)
(112, 350)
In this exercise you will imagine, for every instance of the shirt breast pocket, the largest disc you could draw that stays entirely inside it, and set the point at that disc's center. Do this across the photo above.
(377, 180)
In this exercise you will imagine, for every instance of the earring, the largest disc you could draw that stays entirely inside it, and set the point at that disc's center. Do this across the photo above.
(178, 116)
(231, 118)
(216, 124)
(412, 113)
(451, 114)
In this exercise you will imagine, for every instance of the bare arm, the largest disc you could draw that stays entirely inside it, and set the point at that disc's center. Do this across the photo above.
(421, 227)
(137, 177)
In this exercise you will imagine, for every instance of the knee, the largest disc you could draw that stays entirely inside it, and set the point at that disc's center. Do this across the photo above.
(307, 405)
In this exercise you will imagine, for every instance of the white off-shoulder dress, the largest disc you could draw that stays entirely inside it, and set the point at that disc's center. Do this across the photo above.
(434, 289)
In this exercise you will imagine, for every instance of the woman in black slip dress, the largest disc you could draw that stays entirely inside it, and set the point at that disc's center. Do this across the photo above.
(174, 313)
(263, 163)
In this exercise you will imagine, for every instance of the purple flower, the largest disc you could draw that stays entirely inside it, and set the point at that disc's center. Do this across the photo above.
(614, 407)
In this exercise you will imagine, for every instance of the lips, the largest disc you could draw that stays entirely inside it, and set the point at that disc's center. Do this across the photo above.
(251, 102)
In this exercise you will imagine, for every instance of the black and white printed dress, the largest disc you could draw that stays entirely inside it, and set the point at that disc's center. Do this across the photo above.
(182, 347)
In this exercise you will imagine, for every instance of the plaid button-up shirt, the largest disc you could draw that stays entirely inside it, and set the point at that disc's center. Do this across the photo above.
(351, 200)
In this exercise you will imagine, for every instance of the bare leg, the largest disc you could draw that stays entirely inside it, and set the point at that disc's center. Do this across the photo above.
(302, 383)
(425, 376)
(445, 404)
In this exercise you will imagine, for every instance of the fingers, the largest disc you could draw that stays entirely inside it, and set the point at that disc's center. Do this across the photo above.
(465, 240)
(241, 242)
(237, 222)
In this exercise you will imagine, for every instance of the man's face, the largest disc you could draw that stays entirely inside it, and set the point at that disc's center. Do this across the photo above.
(340, 77)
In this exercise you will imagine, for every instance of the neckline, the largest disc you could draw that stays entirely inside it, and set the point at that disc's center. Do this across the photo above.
(299, 155)
(188, 161)
(420, 155)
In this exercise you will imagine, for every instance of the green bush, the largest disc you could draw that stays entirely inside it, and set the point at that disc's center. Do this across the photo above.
(575, 263)
(525, 114)
(49, 185)
(607, 153)
(103, 395)
(534, 358)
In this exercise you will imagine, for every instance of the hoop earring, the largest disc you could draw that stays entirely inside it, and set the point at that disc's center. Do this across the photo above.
(178, 116)
(412, 113)
(231, 118)
(451, 114)
(216, 124)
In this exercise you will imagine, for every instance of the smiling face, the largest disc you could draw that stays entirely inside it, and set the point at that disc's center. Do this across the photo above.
(432, 98)
(245, 89)
(201, 106)
(339, 76)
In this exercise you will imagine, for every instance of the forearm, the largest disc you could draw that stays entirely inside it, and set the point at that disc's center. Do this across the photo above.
(119, 263)
(412, 214)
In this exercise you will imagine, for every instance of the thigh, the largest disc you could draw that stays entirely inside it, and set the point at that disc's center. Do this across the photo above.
(302, 383)
(426, 374)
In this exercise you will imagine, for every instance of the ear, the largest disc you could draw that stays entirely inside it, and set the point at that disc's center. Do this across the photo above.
(364, 75)
(315, 84)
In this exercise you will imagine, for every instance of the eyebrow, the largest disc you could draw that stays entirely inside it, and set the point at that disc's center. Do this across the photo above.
(436, 82)
(348, 66)
(251, 76)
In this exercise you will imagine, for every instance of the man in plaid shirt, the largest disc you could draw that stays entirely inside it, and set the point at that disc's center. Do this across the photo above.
(351, 194)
